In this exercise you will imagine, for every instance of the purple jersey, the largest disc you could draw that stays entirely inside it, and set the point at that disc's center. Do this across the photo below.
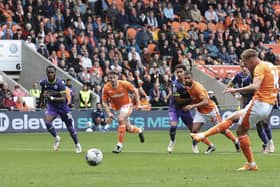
(180, 97)
(54, 89)
(241, 80)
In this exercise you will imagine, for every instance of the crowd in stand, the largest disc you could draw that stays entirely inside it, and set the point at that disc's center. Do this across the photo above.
(143, 39)
(12, 99)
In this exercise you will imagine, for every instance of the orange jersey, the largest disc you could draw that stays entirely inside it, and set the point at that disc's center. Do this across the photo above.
(268, 90)
(198, 93)
(118, 96)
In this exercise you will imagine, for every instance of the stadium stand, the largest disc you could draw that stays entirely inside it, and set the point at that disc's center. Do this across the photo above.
(67, 32)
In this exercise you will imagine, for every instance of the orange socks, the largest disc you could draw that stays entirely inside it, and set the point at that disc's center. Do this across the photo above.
(207, 141)
(245, 145)
(220, 127)
(122, 129)
(121, 133)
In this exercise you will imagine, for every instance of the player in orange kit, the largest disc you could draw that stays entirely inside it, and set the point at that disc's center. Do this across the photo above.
(116, 92)
(206, 111)
(265, 87)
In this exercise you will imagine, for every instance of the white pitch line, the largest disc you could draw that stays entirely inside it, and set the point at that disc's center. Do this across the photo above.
(128, 151)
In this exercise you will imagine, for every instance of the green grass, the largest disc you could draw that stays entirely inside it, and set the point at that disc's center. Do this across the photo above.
(28, 160)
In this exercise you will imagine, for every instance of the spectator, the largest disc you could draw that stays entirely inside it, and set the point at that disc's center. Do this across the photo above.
(96, 78)
(84, 76)
(182, 34)
(43, 50)
(212, 49)
(185, 14)
(35, 92)
(71, 94)
(221, 13)
(143, 37)
(269, 56)
(53, 58)
(155, 74)
(233, 58)
(227, 78)
(122, 20)
(112, 13)
(143, 19)
(134, 19)
(211, 15)
(224, 56)
(5, 90)
(71, 72)
(144, 103)
(29, 43)
(19, 105)
(62, 53)
(85, 97)
(8, 101)
(17, 92)
(86, 61)
(152, 20)
(157, 96)
(169, 12)
(99, 118)
(147, 84)
(195, 13)
(133, 52)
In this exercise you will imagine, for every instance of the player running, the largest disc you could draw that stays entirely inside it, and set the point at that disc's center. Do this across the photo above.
(206, 111)
(54, 95)
(265, 87)
(116, 93)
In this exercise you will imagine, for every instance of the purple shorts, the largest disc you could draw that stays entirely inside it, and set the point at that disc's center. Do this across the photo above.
(57, 110)
(186, 117)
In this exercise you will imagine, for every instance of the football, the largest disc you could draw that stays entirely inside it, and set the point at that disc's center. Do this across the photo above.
(94, 157)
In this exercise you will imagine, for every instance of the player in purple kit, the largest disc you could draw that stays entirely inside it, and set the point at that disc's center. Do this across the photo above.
(179, 99)
(53, 95)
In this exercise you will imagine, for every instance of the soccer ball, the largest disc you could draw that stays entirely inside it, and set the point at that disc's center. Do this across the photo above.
(94, 157)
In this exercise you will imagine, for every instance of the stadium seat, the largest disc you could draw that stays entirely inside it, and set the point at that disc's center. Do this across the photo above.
(202, 26)
(243, 27)
(151, 47)
(119, 3)
(220, 26)
(228, 21)
(212, 27)
(131, 33)
(275, 47)
(194, 24)
(175, 25)
(186, 25)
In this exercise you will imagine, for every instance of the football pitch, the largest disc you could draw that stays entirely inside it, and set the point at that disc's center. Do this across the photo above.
(28, 160)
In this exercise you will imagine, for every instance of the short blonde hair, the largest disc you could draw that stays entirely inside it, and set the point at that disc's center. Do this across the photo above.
(249, 53)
